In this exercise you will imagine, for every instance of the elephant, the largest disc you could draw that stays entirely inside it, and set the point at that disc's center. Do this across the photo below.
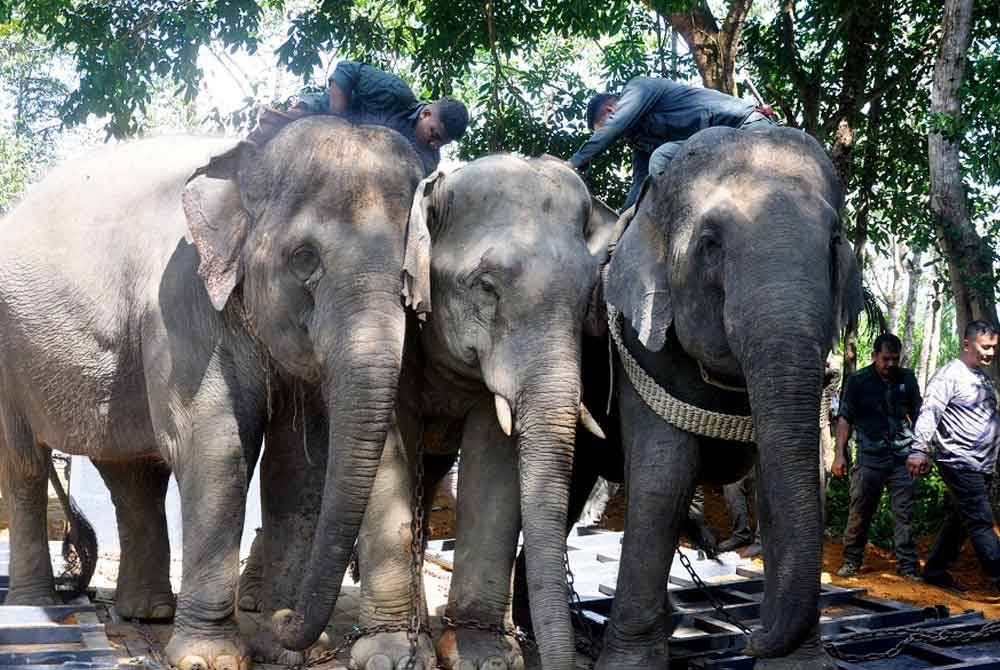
(727, 287)
(166, 303)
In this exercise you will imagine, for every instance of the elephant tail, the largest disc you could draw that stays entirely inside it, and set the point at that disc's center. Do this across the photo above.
(79, 548)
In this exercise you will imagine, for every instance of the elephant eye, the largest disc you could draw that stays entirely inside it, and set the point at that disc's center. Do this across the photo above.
(304, 262)
(486, 284)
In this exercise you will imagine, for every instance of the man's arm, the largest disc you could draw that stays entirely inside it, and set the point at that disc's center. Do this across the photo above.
(342, 83)
(938, 394)
(845, 426)
(635, 101)
(844, 430)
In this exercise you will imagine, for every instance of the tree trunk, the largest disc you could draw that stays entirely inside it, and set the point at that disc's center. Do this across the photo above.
(930, 314)
(916, 271)
(970, 262)
(934, 344)
(713, 48)
(895, 297)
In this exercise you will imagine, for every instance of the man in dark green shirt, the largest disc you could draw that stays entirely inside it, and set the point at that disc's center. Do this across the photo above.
(879, 405)
(364, 94)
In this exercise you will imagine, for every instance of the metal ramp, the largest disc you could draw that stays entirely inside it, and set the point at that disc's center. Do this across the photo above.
(66, 637)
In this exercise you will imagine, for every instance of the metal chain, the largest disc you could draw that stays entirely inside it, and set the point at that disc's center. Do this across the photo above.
(504, 631)
(911, 635)
(588, 646)
(417, 552)
(715, 602)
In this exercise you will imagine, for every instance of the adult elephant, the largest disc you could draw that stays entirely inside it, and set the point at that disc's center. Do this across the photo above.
(732, 280)
(159, 302)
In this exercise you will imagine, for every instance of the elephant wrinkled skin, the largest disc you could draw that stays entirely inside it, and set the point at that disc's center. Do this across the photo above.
(124, 341)
(734, 260)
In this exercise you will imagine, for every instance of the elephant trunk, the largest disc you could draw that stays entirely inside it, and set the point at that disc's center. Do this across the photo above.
(784, 376)
(548, 412)
(363, 362)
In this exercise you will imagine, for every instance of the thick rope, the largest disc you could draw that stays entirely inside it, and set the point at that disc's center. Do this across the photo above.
(673, 410)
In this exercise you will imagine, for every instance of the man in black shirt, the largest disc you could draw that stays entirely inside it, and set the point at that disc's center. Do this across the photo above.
(879, 405)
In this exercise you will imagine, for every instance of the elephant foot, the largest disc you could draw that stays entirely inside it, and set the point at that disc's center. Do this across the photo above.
(391, 651)
(264, 648)
(136, 601)
(35, 597)
(224, 650)
(472, 649)
(648, 657)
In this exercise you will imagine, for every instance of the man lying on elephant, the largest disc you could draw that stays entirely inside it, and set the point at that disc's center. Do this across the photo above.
(657, 116)
(364, 94)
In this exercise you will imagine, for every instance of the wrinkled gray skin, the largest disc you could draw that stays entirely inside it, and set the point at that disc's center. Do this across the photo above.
(122, 341)
(734, 259)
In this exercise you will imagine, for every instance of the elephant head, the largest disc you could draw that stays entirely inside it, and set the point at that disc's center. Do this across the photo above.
(512, 280)
(737, 249)
(304, 239)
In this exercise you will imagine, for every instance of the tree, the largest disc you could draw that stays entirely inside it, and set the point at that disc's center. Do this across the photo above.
(970, 258)
(915, 271)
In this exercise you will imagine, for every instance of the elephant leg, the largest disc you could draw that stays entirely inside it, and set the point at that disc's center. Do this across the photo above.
(661, 467)
(252, 578)
(390, 592)
(138, 490)
(489, 518)
(212, 469)
(292, 473)
(25, 488)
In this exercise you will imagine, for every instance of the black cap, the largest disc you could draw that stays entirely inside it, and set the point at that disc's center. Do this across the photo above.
(454, 116)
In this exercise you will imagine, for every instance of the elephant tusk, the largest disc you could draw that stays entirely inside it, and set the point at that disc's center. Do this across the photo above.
(503, 413)
(590, 423)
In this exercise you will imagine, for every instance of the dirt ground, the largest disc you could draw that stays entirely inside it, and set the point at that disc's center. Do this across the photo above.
(877, 575)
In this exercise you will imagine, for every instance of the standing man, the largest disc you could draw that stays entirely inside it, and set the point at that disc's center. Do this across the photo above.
(364, 94)
(656, 116)
(958, 427)
(879, 405)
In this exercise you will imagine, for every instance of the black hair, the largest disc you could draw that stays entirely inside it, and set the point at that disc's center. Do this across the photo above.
(454, 116)
(595, 106)
(973, 329)
(888, 342)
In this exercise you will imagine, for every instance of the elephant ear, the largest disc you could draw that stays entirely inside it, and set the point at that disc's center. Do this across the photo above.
(637, 280)
(849, 298)
(218, 221)
(417, 256)
(600, 229)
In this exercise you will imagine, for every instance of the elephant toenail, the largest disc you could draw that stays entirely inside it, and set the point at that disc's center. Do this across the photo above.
(162, 612)
(193, 663)
(249, 604)
(379, 662)
(466, 665)
(494, 663)
(517, 663)
(404, 664)
(227, 662)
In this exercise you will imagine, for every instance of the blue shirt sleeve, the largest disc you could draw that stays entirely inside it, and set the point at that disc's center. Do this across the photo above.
(346, 75)
(635, 101)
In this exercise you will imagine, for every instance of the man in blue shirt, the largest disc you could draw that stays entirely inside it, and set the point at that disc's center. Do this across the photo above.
(364, 94)
(879, 404)
(656, 116)
(960, 428)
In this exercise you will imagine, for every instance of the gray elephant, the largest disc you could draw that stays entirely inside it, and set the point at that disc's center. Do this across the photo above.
(732, 280)
(495, 372)
(124, 341)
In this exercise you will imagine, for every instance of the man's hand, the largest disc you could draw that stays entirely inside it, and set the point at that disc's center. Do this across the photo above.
(839, 465)
(918, 464)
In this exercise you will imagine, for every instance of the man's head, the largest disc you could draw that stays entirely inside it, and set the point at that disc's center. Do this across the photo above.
(599, 107)
(441, 122)
(979, 344)
(885, 354)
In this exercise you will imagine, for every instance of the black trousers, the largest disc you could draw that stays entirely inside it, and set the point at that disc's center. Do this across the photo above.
(867, 485)
(969, 517)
